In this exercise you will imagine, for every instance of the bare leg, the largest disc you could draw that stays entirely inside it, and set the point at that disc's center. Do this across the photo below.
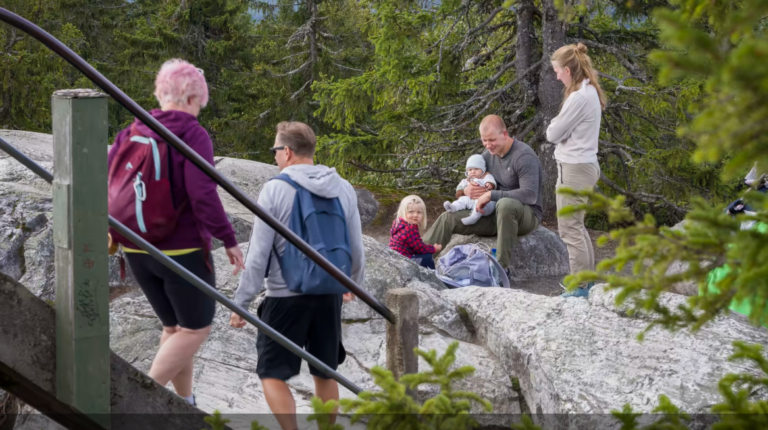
(174, 359)
(281, 403)
(327, 389)
(182, 382)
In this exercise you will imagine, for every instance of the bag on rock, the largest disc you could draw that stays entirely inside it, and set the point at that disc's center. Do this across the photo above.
(471, 265)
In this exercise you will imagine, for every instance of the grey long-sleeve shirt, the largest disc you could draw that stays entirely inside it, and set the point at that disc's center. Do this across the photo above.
(276, 197)
(518, 176)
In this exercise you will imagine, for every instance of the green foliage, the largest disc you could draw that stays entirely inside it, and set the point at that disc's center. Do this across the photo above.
(737, 410)
(392, 407)
(526, 423)
(216, 421)
(720, 43)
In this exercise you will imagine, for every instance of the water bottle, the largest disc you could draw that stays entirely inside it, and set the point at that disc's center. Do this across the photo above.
(493, 252)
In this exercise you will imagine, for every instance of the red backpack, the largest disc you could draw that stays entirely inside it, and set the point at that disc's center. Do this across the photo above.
(140, 194)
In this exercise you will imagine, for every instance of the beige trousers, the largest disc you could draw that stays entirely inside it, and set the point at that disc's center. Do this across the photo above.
(571, 228)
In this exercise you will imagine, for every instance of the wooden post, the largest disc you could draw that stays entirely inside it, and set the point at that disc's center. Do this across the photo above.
(403, 336)
(80, 237)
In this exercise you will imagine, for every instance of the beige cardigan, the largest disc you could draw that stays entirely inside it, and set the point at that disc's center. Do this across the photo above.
(576, 129)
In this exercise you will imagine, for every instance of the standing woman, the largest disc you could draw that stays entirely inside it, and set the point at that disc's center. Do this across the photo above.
(576, 131)
(185, 312)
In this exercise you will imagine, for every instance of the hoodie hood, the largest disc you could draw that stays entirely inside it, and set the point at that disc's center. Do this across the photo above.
(175, 121)
(322, 181)
(397, 226)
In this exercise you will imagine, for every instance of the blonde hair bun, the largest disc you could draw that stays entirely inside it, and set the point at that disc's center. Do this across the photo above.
(581, 48)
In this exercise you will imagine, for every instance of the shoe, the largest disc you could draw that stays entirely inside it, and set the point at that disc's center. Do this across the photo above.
(578, 292)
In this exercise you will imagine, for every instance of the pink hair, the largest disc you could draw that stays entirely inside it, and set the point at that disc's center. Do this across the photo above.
(179, 80)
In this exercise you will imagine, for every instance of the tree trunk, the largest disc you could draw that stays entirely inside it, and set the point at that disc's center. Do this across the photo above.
(525, 48)
(550, 98)
(312, 42)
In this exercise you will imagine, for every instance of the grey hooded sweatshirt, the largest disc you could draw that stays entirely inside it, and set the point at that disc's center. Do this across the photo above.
(276, 197)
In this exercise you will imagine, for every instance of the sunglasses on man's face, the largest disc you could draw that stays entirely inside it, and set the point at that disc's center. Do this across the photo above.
(274, 149)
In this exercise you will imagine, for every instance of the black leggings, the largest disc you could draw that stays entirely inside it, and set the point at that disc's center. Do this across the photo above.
(176, 301)
(424, 260)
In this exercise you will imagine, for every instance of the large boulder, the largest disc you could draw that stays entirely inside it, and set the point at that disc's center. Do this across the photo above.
(579, 359)
(368, 206)
(249, 176)
(26, 227)
(225, 377)
(26, 218)
(538, 254)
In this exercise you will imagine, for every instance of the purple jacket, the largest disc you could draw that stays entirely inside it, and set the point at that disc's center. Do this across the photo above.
(204, 215)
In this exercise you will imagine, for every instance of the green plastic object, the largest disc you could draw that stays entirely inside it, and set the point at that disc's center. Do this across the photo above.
(744, 306)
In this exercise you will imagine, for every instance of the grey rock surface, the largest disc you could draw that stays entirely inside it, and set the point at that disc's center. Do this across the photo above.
(250, 176)
(26, 214)
(225, 377)
(540, 253)
(577, 356)
(368, 206)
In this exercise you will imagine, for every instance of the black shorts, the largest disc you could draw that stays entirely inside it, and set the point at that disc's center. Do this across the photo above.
(176, 301)
(311, 322)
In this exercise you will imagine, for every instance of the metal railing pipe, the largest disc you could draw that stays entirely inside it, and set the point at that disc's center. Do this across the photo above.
(192, 278)
(63, 51)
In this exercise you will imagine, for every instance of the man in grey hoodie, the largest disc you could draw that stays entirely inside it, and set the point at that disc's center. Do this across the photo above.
(312, 321)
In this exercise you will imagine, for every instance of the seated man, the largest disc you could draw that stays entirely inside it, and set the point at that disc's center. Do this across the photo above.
(517, 171)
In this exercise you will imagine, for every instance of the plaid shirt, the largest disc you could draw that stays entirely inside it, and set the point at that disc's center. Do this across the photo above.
(406, 239)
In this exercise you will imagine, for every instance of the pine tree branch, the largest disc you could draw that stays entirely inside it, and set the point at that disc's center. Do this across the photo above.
(296, 94)
(487, 21)
(621, 85)
(488, 98)
(644, 197)
(371, 169)
(288, 57)
(341, 66)
(12, 41)
(621, 55)
(440, 42)
(479, 59)
(608, 144)
(292, 72)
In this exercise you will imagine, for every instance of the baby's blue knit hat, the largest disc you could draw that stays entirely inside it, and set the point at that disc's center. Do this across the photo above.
(476, 162)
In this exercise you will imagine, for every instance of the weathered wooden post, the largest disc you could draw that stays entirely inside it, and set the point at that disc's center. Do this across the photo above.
(403, 336)
(80, 237)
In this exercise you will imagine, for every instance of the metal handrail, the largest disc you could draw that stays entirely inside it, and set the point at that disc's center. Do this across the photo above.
(81, 65)
(192, 278)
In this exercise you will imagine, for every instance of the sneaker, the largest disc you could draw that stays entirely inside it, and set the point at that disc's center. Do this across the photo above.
(578, 292)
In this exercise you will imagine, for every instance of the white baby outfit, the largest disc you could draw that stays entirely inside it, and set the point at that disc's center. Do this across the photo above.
(464, 202)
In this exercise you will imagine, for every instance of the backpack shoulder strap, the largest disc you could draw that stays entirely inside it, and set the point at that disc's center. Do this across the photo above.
(285, 178)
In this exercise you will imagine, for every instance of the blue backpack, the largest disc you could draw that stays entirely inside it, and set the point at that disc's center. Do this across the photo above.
(321, 223)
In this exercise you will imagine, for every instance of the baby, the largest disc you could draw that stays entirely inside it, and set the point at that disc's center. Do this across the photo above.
(475, 173)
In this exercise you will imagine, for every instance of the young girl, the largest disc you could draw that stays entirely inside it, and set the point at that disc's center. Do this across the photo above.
(406, 239)
(576, 131)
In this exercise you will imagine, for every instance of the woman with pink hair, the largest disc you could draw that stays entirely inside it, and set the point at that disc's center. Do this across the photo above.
(185, 312)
